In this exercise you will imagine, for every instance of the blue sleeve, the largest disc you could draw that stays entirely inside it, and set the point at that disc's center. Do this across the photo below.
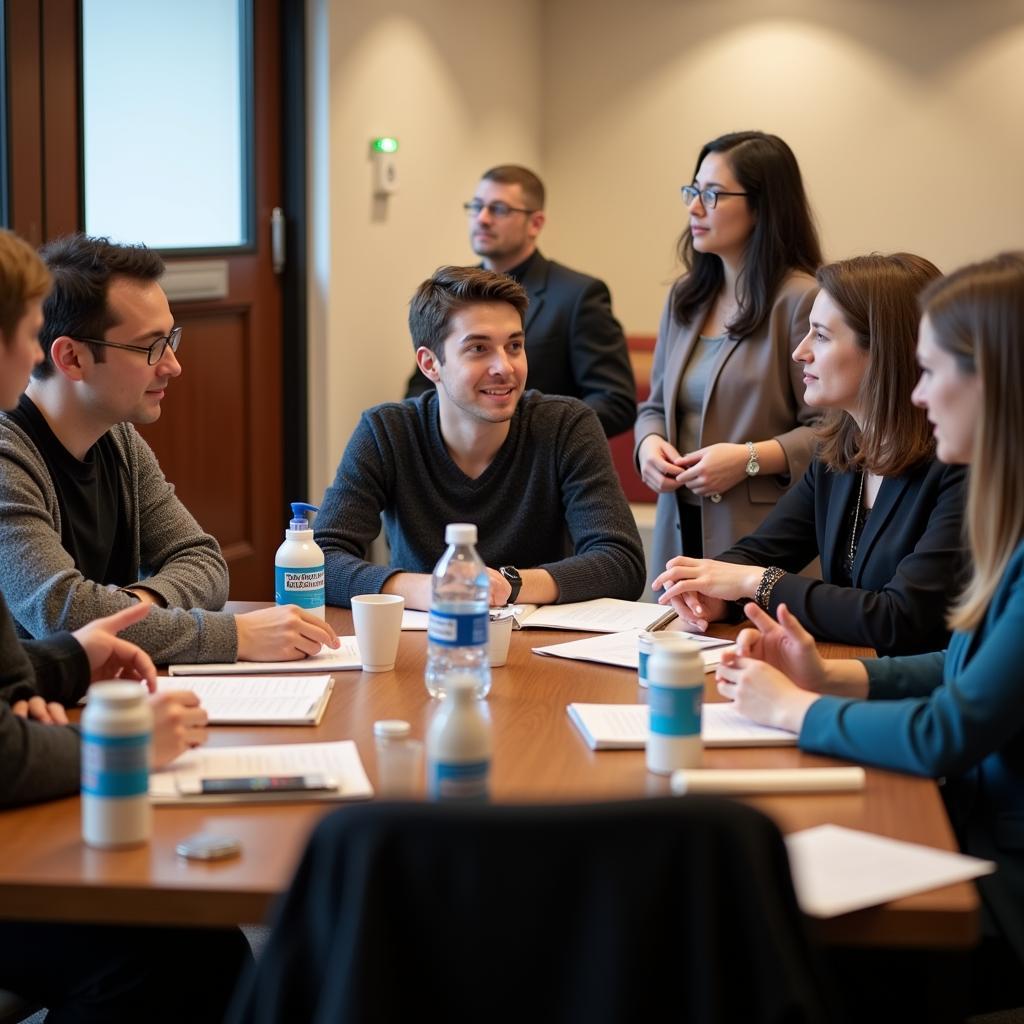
(964, 719)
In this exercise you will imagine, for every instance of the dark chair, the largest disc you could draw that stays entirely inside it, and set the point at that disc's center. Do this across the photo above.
(594, 914)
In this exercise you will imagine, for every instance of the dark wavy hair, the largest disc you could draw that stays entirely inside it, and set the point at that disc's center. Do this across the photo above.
(784, 237)
(82, 268)
(878, 297)
(448, 291)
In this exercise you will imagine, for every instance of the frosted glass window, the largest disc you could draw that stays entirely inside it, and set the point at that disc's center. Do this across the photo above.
(165, 121)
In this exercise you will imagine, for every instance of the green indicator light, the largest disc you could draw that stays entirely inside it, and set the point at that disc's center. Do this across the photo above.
(385, 144)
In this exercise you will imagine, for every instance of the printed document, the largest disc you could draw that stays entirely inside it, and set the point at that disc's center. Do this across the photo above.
(258, 700)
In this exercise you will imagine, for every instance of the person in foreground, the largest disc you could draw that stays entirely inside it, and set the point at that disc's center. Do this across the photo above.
(82, 972)
(725, 430)
(956, 714)
(91, 525)
(882, 513)
(532, 471)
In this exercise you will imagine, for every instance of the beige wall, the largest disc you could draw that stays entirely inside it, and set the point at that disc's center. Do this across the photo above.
(425, 71)
(906, 116)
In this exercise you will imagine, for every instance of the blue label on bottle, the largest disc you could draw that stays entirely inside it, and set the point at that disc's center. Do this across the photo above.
(642, 668)
(467, 780)
(304, 587)
(115, 765)
(468, 629)
(675, 710)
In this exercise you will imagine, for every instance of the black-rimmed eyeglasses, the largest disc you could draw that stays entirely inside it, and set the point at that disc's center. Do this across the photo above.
(708, 196)
(475, 207)
(154, 352)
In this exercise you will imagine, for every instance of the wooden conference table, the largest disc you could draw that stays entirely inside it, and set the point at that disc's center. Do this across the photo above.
(47, 873)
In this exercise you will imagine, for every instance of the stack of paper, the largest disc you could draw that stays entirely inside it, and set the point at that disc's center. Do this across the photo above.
(624, 727)
(338, 762)
(621, 648)
(258, 700)
(330, 659)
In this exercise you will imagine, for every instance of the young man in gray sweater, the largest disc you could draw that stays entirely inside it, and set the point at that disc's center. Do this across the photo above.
(90, 524)
(532, 471)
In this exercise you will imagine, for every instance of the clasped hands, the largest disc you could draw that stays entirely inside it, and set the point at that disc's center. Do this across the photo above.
(699, 588)
(714, 469)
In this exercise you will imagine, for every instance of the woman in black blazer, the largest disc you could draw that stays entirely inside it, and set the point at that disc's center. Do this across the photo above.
(882, 514)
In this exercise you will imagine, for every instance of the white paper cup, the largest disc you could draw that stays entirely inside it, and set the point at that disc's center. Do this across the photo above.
(378, 622)
(499, 633)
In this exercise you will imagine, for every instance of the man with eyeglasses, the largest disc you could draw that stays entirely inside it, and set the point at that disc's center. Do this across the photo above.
(573, 341)
(90, 524)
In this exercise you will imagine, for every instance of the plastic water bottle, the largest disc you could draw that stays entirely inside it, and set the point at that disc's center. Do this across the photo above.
(458, 622)
(459, 745)
(299, 564)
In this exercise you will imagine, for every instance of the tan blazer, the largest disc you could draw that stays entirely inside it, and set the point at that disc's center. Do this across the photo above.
(755, 392)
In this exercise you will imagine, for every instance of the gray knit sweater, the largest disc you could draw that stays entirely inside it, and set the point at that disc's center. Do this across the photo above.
(170, 552)
(550, 499)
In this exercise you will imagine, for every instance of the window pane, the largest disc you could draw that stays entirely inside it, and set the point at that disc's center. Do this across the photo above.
(165, 113)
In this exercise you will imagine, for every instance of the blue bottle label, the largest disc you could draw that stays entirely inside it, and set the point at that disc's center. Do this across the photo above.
(642, 667)
(115, 765)
(466, 780)
(304, 587)
(675, 710)
(457, 630)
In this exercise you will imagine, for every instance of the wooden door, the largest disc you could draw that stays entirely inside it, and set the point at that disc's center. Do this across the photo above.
(219, 439)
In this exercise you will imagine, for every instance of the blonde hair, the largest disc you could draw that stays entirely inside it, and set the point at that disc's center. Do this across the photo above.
(23, 278)
(977, 315)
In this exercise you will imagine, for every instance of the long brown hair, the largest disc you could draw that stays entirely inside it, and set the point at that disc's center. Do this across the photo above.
(878, 298)
(977, 315)
(784, 238)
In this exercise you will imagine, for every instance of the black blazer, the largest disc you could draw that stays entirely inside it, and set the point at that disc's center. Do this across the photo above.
(574, 344)
(909, 561)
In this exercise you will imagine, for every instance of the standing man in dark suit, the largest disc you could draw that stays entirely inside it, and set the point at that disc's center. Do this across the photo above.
(574, 344)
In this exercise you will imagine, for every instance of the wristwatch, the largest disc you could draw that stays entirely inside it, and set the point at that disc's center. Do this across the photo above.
(511, 573)
(753, 466)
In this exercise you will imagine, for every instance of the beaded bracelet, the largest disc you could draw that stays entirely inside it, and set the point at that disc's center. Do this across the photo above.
(770, 577)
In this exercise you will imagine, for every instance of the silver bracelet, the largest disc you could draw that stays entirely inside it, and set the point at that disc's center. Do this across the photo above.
(763, 594)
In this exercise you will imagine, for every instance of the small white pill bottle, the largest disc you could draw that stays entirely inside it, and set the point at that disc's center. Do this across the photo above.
(117, 732)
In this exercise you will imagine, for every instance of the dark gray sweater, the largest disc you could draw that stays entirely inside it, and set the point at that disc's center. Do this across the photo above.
(37, 761)
(550, 500)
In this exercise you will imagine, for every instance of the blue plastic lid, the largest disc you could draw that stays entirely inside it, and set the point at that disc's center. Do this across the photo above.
(299, 520)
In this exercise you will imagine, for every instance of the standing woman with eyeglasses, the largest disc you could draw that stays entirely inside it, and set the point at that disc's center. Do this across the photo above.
(725, 430)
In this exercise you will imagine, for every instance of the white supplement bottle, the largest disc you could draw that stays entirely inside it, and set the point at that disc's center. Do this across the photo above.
(459, 745)
(117, 730)
(675, 695)
(299, 565)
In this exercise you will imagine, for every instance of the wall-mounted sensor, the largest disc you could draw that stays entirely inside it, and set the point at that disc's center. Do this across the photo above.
(384, 154)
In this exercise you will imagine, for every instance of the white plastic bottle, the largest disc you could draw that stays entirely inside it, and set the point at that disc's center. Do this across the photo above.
(675, 695)
(299, 565)
(459, 745)
(458, 624)
(117, 730)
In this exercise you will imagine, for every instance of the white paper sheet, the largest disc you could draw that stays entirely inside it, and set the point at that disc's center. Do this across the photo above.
(258, 700)
(624, 727)
(837, 870)
(603, 615)
(621, 649)
(338, 761)
(330, 659)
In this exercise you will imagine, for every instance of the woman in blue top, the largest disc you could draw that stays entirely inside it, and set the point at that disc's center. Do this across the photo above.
(958, 713)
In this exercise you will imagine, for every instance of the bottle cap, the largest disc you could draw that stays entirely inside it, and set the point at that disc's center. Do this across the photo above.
(391, 728)
(460, 533)
(300, 521)
(117, 692)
